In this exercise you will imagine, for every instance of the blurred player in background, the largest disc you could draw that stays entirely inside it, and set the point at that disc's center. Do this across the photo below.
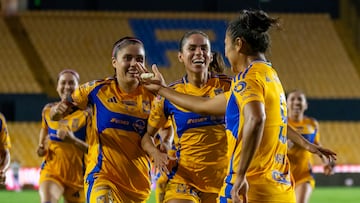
(200, 140)
(256, 115)
(300, 159)
(5, 146)
(62, 143)
(118, 170)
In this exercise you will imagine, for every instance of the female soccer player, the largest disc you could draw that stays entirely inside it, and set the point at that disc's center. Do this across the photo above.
(118, 170)
(255, 112)
(200, 140)
(62, 169)
(300, 159)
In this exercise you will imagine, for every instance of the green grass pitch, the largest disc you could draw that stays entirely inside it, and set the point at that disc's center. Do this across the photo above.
(320, 195)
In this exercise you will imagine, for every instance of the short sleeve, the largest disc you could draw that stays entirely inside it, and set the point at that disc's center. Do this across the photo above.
(157, 118)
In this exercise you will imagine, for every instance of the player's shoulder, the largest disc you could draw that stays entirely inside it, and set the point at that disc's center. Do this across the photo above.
(95, 83)
(311, 120)
(48, 106)
(177, 83)
(221, 77)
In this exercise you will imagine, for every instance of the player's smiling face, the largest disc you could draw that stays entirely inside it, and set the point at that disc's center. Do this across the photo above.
(297, 103)
(125, 61)
(196, 53)
(66, 85)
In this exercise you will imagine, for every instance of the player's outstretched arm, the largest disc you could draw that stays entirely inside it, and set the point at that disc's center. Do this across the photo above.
(313, 148)
(201, 105)
(67, 135)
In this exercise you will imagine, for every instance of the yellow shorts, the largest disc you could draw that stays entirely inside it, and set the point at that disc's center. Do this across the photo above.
(264, 193)
(187, 192)
(71, 193)
(308, 179)
(101, 190)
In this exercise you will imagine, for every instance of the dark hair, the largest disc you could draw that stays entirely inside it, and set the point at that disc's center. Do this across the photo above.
(124, 42)
(252, 26)
(187, 35)
(71, 71)
(217, 65)
(293, 91)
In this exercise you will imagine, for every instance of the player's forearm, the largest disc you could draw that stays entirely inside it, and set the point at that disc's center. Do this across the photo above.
(147, 144)
(189, 102)
(81, 145)
(4, 160)
(42, 137)
(252, 135)
(297, 138)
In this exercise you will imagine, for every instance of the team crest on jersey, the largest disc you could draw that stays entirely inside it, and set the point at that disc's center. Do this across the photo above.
(239, 87)
(139, 126)
(218, 91)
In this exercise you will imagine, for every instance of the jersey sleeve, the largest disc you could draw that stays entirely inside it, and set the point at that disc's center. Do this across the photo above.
(81, 94)
(249, 89)
(46, 108)
(157, 118)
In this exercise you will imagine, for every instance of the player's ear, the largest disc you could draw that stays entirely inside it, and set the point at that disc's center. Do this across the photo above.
(180, 57)
(114, 61)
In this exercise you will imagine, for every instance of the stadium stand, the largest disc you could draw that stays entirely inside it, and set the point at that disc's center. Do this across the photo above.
(343, 138)
(307, 53)
(24, 141)
(15, 74)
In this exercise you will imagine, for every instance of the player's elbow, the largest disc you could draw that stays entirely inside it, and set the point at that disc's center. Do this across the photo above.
(257, 120)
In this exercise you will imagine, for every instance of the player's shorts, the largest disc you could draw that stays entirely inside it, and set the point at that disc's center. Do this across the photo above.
(309, 179)
(260, 193)
(71, 193)
(187, 192)
(100, 190)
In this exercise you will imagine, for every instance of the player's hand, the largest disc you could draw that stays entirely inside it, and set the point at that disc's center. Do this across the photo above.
(329, 169)
(154, 83)
(161, 160)
(61, 107)
(164, 147)
(239, 190)
(41, 151)
(66, 134)
(329, 154)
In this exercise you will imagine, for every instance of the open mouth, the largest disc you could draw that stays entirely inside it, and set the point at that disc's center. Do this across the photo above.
(133, 72)
(198, 61)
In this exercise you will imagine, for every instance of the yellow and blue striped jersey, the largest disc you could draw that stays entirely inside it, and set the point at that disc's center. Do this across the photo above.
(200, 140)
(270, 166)
(118, 123)
(60, 155)
(4, 135)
